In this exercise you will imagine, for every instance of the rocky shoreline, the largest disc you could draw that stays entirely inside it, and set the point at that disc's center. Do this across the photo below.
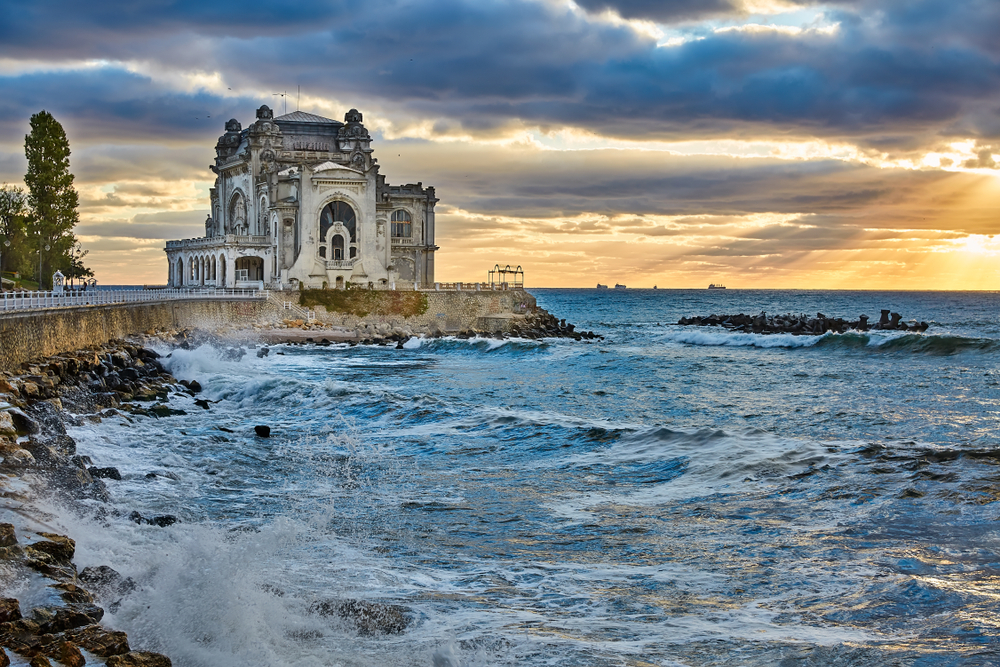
(533, 326)
(40, 459)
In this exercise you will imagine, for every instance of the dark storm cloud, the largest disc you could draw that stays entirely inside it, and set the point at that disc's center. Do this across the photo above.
(70, 28)
(663, 11)
(896, 76)
(104, 104)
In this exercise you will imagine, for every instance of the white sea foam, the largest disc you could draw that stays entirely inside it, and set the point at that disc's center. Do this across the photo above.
(705, 336)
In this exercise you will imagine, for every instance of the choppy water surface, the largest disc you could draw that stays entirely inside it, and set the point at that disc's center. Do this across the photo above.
(667, 496)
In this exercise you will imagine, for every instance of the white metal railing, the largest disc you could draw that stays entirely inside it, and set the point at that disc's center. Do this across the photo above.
(10, 301)
(308, 315)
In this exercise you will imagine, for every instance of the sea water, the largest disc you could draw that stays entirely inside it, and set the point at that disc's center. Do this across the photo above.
(666, 496)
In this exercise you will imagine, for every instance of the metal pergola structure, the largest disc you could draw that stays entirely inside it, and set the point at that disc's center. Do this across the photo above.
(506, 278)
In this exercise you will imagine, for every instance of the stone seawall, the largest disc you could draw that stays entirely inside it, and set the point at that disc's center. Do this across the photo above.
(447, 312)
(26, 336)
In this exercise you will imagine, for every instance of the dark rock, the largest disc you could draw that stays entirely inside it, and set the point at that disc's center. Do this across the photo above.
(161, 410)
(162, 520)
(59, 619)
(40, 661)
(69, 655)
(60, 547)
(105, 473)
(139, 659)
(8, 537)
(10, 610)
(193, 386)
(106, 581)
(73, 593)
(202, 403)
(129, 374)
(368, 618)
(4, 659)
(262, 431)
(263, 352)
(21, 636)
(100, 642)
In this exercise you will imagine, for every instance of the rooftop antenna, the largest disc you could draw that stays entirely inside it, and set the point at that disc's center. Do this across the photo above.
(298, 94)
(284, 104)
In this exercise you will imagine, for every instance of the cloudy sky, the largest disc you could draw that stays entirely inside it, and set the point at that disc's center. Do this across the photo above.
(760, 143)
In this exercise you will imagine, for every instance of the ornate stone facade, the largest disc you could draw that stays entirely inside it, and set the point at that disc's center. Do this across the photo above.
(298, 202)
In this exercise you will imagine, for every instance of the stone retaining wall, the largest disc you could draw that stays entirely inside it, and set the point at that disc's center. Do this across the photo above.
(446, 311)
(25, 336)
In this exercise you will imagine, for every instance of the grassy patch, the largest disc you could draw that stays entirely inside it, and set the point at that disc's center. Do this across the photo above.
(362, 302)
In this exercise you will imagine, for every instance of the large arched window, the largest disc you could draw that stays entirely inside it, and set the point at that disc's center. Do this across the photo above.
(238, 214)
(402, 228)
(334, 212)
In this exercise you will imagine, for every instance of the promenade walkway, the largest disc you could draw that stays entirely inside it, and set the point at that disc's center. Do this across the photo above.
(23, 301)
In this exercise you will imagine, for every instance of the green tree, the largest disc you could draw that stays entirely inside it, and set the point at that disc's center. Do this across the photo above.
(13, 218)
(52, 199)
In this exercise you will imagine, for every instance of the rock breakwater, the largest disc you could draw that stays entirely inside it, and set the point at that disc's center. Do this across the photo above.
(803, 324)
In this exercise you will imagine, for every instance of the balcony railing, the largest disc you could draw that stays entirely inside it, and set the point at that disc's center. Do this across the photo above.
(397, 240)
(10, 301)
(340, 263)
(219, 241)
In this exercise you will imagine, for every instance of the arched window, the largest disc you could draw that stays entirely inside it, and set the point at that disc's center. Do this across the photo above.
(335, 212)
(402, 228)
(238, 214)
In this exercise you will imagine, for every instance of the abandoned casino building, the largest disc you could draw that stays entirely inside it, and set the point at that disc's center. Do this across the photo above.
(299, 202)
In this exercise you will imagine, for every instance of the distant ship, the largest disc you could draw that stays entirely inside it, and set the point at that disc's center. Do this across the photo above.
(654, 286)
(618, 286)
(600, 286)
(714, 286)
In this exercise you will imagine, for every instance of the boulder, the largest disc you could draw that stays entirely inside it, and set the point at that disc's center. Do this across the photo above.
(73, 593)
(8, 537)
(40, 661)
(7, 424)
(106, 582)
(105, 473)
(100, 642)
(262, 431)
(19, 458)
(4, 659)
(368, 618)
(10, 610)
(69, 655)
(58, 619)
(60, 547)
(139, 659)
